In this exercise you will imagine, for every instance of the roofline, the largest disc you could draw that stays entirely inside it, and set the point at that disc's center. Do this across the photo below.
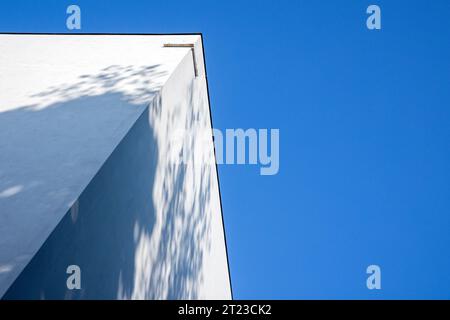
(103, 34)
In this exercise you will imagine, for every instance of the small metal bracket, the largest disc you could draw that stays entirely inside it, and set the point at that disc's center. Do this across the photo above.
(184, 45)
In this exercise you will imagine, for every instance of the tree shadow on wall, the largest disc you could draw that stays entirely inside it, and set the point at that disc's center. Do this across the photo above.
(124, 246)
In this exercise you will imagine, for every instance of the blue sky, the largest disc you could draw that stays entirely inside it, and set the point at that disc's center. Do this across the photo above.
(364, 119)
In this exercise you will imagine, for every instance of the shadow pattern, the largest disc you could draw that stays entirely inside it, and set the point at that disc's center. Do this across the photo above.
(139, 229)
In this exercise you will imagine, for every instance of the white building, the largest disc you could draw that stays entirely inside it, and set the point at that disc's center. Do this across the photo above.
(89, 175)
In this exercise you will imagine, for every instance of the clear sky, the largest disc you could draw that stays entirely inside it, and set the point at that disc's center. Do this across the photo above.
(364, 119)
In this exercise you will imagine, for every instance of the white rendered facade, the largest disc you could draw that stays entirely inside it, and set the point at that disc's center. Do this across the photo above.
(86, 172)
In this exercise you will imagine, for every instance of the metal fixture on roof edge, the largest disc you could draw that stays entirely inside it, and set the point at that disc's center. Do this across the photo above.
(184, 45)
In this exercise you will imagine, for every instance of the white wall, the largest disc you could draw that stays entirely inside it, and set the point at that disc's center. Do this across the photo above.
(86, 130)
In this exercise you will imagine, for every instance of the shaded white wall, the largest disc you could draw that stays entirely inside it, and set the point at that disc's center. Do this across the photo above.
(91, 160)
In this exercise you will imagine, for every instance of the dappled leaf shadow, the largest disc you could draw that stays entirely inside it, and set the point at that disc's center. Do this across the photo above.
(139, 228)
